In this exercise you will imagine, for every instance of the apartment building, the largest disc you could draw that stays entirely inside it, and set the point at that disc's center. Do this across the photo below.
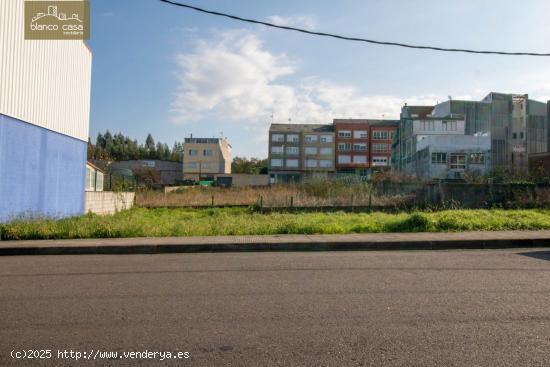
(296, 150)
(363, 144)
(206, 158)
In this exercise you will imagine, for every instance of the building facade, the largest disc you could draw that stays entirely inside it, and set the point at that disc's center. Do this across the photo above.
(296, 150)
(363, 144)
(206, 158)
(44, 121)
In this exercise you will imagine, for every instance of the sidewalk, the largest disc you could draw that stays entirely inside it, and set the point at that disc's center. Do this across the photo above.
(367, 241)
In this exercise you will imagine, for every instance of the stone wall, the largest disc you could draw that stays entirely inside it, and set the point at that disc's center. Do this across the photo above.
(108, 202)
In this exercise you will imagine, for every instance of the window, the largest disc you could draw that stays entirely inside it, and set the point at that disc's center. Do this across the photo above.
(277, 150)
(326, 151)
(427, 125)
(193, 152)
(276, 163)
(310, 151)
(359, 147)
(192, 165)
(90, 179)
(344, 147)
(207, 152)
(99, 181)
(477, 158)
(360, 159)
(380, 134)
(292, 163)
(206, 165)
(360, 134)
(278, 138)
(311, 138)
(379, 161)
(458, 161)
(380, 148)
(293, 138)
(450, 126)
(521, 135)
(325, 163)
(439, 158)
(344, 159)
(344, 134)
(514, 135)
(326, 139)
(292, 150)
(311, 163)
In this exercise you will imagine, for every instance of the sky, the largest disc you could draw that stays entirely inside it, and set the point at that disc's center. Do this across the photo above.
(173, 72)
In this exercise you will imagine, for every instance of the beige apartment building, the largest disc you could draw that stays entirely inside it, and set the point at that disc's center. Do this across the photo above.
(297, 149)
(206, 158)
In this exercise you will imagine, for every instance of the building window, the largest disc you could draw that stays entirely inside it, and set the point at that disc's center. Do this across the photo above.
(292, 150)
(450, 126)
(359, 147)
(360, 159)
(193, 152)
(206, 165)
(326, 151)
(311, 163)
(276, 163)
(310, 151)
(344, 147)
(90, 179)
(311, 138)
(457, 161)
(360, 134)
(427, 125)
(380, 134)
(379, 161)
(344, 159)
(514, 135)
(344, 134)
(439, 158)
(207, 152)
(293, 138)
(325, 163)
(99, 181)
(477, 158)
(292, 163)
(278, 138)
(326, 139)
(380, 148)
(192, 165)
(276, 150)
(521, 135)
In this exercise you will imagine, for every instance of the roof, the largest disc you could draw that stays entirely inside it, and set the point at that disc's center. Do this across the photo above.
(421, 111)
(374, 122)
(88, 163)
(301, 128)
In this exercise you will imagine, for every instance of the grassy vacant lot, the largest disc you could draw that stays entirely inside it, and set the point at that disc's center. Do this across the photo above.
(140, 222)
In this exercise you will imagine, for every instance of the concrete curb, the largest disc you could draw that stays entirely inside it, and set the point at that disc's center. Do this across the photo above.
(349, 242)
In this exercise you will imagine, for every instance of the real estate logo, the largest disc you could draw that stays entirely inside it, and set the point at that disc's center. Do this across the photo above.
(57, 20)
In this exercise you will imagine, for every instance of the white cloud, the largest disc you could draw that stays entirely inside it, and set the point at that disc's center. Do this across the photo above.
(234, 78)
(297, 21)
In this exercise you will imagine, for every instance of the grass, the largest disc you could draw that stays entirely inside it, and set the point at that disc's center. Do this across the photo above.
(141, 222)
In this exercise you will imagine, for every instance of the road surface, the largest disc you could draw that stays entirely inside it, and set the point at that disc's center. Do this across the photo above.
(424, 308)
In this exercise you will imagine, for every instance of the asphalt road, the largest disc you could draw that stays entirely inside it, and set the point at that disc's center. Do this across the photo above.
(424, 308)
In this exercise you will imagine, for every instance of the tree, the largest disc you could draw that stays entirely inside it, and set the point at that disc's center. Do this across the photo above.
(252, 166)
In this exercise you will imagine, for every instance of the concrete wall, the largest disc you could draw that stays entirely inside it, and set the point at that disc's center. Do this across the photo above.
(108, 202)
(243, 180)
(42, 173)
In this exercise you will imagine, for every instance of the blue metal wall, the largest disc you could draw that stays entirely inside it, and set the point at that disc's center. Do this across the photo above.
(42, 172)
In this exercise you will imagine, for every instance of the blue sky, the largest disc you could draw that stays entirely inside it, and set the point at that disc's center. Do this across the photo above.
(174, 72)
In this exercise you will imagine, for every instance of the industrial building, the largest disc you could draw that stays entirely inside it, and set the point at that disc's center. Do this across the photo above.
(206, 158)
(44, 121)
(498, 132)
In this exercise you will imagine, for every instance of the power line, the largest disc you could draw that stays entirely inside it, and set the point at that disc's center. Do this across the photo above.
(356, 39)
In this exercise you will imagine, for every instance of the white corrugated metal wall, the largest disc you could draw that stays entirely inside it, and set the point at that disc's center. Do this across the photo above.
(46, 83)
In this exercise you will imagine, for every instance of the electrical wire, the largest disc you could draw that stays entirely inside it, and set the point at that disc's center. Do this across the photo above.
(356, 39)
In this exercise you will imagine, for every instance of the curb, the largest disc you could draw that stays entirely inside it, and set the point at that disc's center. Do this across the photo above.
(365, 242)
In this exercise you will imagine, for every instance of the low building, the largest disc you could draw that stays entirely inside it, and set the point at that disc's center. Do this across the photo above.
(206, 158)
(162, 173)
(296, 150)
